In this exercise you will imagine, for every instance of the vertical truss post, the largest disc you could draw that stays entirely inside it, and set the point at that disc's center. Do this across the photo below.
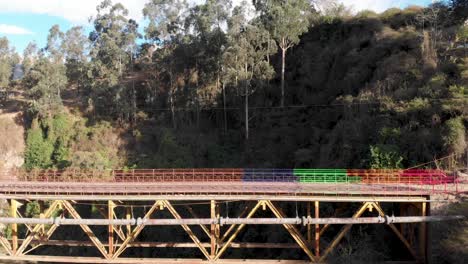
(232, 227)
(309, 228)
(213, 229)
(128, 216)
(217, 229)
(136, 231)
(110, 229)
(317, 230)
(397, 232)
(239, 228)
(14, 227)
(37, 228)
(422, 235)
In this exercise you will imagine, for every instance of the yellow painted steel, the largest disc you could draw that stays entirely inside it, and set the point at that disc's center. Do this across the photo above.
(110, 229)
(422, 234)
(188, 230)
(397, 232)
(203, 227)
(293, 231)
(86, 229)
(309, 228)
(213, 239)
(6, 245)
(30, 237)
(232, 227)
(14, 227)
(239, 228)
(136, 231)
(317, 230)
(128, 215)
(343, 232)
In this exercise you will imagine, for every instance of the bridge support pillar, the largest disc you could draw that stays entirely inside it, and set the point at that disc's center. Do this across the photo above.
(213, 229)
(110, 216)
(424, 234)
(14, 227)
(317, 230)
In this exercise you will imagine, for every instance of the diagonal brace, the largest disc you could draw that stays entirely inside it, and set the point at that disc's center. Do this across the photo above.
(343, 232)
(293, 231)
(136, 231)
(86, 229)
(188, 230)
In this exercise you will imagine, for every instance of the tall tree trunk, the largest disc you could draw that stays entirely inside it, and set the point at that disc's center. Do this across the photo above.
(246, 112)
(134, 103)
(196, 95)
(224, 107)
(283, 66)
(171, 101)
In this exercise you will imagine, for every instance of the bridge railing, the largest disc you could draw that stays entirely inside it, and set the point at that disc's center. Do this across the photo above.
(330, 176)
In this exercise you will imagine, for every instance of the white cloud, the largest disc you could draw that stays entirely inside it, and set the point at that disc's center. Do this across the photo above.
(76, 11)
(375, 5)
(13, 30)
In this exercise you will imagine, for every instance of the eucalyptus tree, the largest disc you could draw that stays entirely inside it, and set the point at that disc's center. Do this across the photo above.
(45, 74)
(55, 48)
(164, 29)
(286, 22)
(206, 25)
(44, 81)
(7, 63)
(247, 65)
(30, 55)
(76, 46)
(112, 48)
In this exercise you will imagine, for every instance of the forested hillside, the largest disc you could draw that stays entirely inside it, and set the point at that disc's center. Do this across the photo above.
(291, 84)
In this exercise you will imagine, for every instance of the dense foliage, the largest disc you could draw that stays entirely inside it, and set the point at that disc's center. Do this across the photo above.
(286, 84)
(212, 85)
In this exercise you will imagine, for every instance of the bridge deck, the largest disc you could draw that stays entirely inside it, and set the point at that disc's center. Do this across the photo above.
(208, 190)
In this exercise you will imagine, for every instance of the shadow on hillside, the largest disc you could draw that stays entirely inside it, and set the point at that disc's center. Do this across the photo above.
(450, 239)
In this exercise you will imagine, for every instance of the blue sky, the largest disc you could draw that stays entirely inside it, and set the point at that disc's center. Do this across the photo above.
(22, 21)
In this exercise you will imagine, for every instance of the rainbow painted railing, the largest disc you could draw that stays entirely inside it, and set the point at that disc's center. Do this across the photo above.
(358, 176)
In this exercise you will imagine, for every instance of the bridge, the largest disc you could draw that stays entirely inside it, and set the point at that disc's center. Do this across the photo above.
(113, 215)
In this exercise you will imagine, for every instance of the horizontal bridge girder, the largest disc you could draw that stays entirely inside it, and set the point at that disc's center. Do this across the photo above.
(144, 261)
(230, 221)
(222, 197)
(74, 243)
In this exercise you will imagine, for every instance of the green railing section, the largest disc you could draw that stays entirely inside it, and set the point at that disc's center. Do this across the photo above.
(325, 176)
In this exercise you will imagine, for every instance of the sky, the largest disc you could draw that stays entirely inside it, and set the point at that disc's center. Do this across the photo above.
(23, 21)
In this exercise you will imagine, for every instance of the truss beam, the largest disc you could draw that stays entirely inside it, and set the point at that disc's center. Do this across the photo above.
(120, 229)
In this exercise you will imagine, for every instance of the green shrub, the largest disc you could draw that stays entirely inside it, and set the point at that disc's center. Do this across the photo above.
(385, 157)
(48, 142)
(454, 135)
(38, 153)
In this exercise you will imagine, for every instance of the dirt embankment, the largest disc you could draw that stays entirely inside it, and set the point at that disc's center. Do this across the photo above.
(11, 147)
(11, 140)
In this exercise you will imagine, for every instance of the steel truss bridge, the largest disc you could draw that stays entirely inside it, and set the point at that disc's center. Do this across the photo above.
(114, 216)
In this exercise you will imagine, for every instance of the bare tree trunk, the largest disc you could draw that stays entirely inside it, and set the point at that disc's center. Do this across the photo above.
(134, 105)
(196, 95)
(237, 80)
(171, 101)
(224, 107)
(283, 66)
(246, 112)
